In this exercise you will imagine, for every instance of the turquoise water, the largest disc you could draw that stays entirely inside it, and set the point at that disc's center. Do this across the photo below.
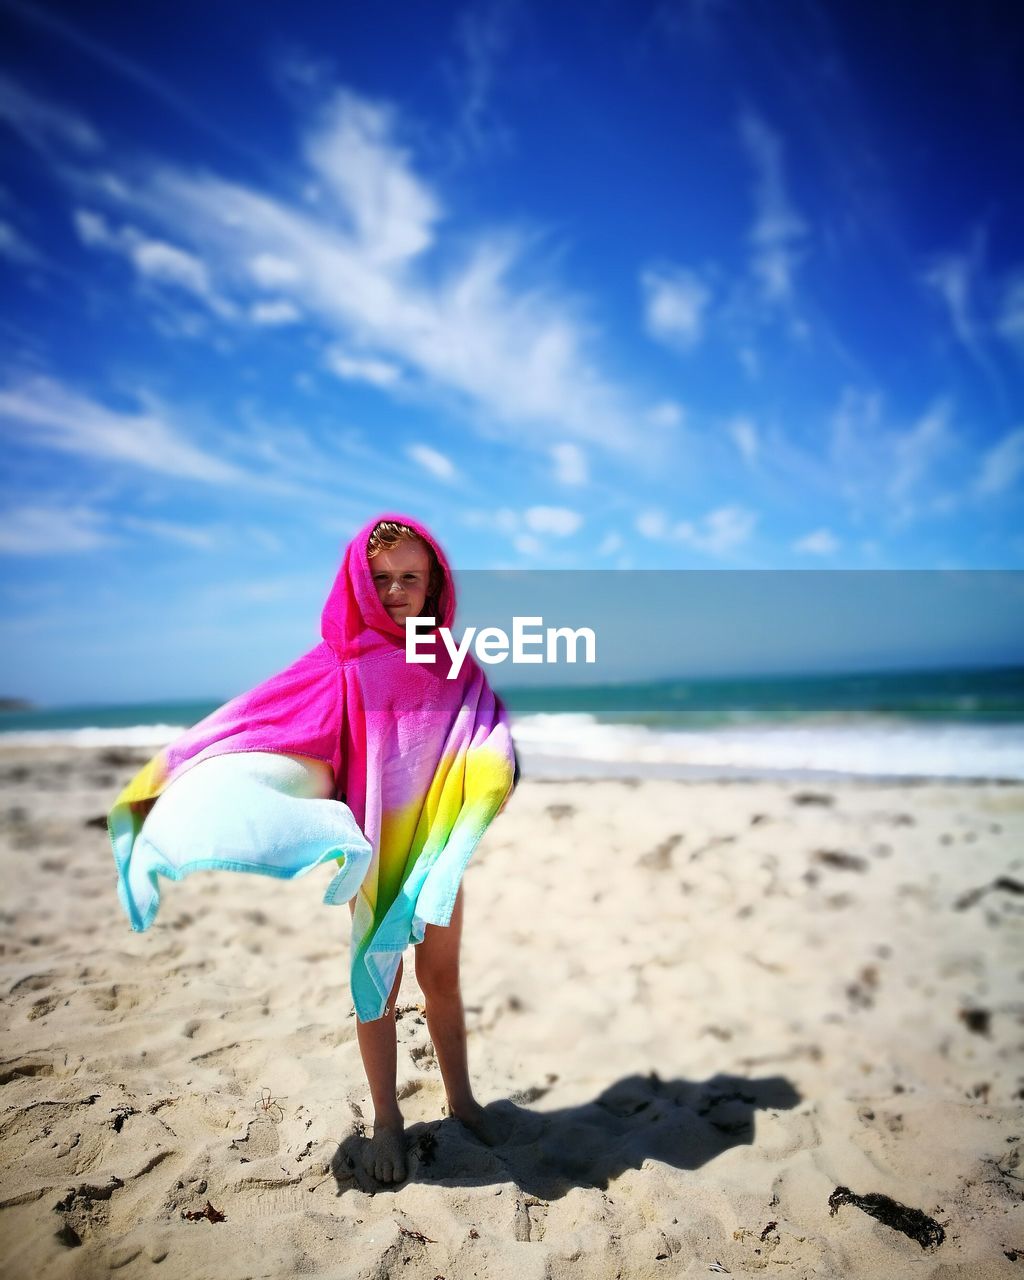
(988, 696)
(992, 696)
(953, 723)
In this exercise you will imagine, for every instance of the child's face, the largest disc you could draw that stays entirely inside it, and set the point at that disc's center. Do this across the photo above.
(402, 577)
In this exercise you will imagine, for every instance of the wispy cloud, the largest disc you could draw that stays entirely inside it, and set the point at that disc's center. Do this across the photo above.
(916, 450)
(885, 470)
(392, 213)
(960, 281)
(744, 434)
(364, 257)
(675, 300)
(1001, 465)
(45, 125)
(666, 414)
(33, 529)
(682, 306)
(351, 368)
(15, 248)
(558, 522)
(720, 531)
(951, 278)
(433, 462)
(41, 412)
(779, 233)
(482, 35)
(652, 523)
(530, 531)
(717, 533)
(79, 132)
(155, 261)
(1010, 320)
(173, 531)
(339, 470)
(570, 464)
(821, 542)
(272, 272)
(274, 313)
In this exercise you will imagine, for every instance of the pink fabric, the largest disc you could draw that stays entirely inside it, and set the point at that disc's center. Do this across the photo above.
(423, 762)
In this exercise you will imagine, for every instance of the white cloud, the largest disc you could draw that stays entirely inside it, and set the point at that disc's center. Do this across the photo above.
(915, 451)
(560, 522)
(154, 260)
(379, 373)
(652, 524)
(271, 272)
(1010, 322)
(274, 313)
(666, 414)
(43, 413)
(744, 434)
(371, 268)
(391, 212)
(719, 532)
(1001, 465)
(42, 123)
(955, 277)
(92, 229)
(506, 520)
(171, 531)
(481, 35)
(524, 527)
(675, 300)
(950, 277)
(528, 544)
(431, 460)
(36, 530)
(822, 542)
(750, 361)
(15, 247)
(610, 543)
(778, 229)
(872, 464)
(259, 536)
(570, 464)
(290, 587)
(169, 265)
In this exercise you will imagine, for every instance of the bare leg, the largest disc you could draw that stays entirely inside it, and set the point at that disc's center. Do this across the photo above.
(437, 972)
(384, 1158)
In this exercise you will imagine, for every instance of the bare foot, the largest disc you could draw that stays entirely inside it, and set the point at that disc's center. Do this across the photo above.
(491, 1129)
(384, 1153)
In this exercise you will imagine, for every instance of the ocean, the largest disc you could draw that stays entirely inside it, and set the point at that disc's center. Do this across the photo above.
(951, 723)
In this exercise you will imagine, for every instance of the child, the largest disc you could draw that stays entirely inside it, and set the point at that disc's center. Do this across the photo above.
(421, 764)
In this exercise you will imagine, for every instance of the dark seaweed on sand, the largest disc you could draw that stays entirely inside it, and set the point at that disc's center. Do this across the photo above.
(209, 1212)
(1002, 884)
(912, 1222)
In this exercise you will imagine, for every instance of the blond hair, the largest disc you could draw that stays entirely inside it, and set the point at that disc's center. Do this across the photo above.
(386, 535)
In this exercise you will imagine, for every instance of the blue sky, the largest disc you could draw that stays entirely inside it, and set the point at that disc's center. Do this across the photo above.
(697, 285)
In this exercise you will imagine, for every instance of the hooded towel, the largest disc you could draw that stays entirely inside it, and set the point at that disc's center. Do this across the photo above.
(423, 763)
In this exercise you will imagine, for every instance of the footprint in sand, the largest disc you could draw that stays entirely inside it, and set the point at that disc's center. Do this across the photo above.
(42, 1007)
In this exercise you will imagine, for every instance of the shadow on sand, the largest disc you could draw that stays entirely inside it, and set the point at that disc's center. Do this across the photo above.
(680, 1122)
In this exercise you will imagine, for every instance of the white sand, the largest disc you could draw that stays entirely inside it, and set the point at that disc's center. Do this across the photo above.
(699, 1027)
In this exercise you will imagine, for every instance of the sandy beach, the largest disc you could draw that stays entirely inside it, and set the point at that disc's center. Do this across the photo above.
(704, 1007)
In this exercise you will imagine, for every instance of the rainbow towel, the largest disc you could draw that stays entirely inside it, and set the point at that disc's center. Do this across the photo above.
(422, 762)
(244, 811)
